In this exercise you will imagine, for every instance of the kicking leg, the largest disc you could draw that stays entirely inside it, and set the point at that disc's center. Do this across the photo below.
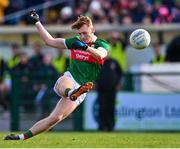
(65, 86)
(63, 108)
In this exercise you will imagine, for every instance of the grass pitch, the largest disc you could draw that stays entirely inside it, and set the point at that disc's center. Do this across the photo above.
(96, 139)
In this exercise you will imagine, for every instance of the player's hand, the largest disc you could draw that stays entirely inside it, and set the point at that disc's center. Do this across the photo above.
(34, 16)
(79, 45)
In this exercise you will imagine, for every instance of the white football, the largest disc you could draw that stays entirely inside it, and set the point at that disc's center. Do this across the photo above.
(140, 39)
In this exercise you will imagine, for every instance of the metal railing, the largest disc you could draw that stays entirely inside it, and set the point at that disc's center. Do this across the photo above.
(99, 28)
(160, 30)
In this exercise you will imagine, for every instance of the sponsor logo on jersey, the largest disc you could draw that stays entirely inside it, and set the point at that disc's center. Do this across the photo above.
(84, 56)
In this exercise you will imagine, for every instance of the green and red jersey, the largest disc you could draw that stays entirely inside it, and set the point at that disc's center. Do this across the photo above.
(83, 66)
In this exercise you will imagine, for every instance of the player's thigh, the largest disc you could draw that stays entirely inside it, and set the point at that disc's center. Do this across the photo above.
(64, 108)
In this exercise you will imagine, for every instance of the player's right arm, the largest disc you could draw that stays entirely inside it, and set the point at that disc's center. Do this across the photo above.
(47, 38)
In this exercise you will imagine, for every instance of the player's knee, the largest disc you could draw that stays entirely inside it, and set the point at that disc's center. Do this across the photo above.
(62, 84)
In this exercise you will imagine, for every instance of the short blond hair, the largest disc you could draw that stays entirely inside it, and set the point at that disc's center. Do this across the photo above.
(81, 21)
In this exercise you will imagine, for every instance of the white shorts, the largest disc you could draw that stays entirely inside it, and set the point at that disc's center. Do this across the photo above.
(75, 86)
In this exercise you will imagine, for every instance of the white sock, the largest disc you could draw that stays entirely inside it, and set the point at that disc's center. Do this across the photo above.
(21, 136)
(69, 93)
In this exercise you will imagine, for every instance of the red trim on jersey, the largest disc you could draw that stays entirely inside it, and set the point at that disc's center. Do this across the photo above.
(85, 56)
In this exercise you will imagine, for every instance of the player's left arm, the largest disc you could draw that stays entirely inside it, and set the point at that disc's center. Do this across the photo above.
(98, 53)
(99, 50)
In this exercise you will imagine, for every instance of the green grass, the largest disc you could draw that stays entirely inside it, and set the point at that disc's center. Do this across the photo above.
(96, 139)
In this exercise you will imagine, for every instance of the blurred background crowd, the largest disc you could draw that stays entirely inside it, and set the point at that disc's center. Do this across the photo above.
(102, 11)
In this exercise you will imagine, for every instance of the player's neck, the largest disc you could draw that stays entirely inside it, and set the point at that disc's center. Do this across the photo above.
(94, 38)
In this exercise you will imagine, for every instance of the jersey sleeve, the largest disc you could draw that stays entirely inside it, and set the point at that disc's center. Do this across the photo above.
(70, 41)
(104, 44)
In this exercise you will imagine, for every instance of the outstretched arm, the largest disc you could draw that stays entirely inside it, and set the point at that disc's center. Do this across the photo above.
(48, 39)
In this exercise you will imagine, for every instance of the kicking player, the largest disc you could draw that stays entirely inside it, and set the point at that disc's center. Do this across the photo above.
(88, 53)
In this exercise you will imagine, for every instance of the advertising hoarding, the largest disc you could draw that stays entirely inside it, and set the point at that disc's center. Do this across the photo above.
(137, 111)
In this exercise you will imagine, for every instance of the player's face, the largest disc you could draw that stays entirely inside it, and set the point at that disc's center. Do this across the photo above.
(86, 33)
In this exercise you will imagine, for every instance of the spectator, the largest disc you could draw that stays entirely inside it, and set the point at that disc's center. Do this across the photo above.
(46, 66)
(42, 65)
(80, 9)
(23, 65)
(61, 62)
(127, 20)
(113, 17)
(14, 6)
(3, 5)
(136, 10)
(4, 88)
(176, 12)
(108, 11)
(163, 16)
(42, 98)
(107, 85)
(147, 20)
(4, 91)
(14, 60)
(150, 12)
(36, 60)
(96, 10)
(2, 67)
(23, 69)
(158, 57)
(118, 47)
(66, 15)
(173, 52)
